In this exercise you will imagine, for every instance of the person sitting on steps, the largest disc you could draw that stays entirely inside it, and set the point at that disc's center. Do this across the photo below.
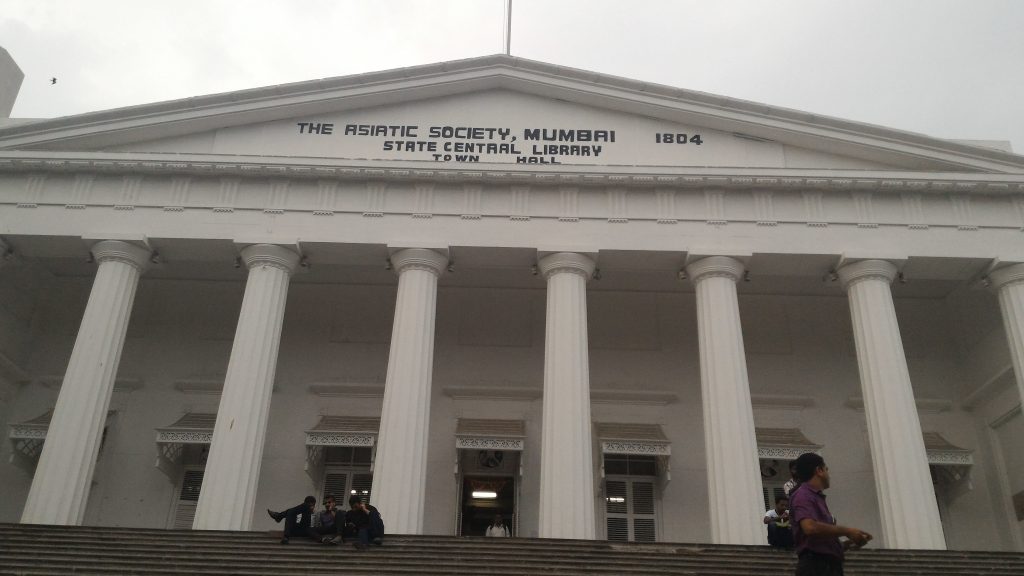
(298, 520)
(779, 533)
(364, 523)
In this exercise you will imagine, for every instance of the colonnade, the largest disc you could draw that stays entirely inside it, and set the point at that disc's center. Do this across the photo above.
(907, 504)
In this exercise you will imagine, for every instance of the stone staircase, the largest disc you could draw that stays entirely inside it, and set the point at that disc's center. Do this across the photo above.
(26, 549)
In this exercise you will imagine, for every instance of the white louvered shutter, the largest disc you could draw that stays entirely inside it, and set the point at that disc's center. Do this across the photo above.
(629, 507)
(361, 484)
(185, 511)
(616, 510)
(335, 484)
(642, 511)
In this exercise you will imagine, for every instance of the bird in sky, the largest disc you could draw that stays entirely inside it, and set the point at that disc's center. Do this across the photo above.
(53, 81)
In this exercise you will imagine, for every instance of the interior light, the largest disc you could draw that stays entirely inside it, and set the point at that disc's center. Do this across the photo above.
(616, 499)
(484, 494)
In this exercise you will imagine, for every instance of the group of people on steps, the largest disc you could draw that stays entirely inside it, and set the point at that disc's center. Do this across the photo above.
(361, 524)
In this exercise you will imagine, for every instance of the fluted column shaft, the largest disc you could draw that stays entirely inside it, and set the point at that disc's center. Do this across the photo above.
(1009, 282)
(567, 467)
(400, 466)
(906, 498)
(60, 487)
(734, 473)
(236, 451)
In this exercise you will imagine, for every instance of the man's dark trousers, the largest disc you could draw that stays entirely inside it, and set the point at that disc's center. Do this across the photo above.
(815, 564)
(293, 527)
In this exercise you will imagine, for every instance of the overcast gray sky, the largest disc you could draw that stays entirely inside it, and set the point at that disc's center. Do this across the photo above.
(948, 68)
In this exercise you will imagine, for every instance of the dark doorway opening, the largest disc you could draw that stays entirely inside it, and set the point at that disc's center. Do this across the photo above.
(482, 498)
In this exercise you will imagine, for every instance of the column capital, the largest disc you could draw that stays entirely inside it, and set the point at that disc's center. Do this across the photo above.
(571, 262)
(715, 266)
(1006, 276)
(876, 269)
(419, 259)
(120, 251)
(270, 255)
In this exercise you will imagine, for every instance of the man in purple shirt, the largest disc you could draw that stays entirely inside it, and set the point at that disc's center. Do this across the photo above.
(815, 532)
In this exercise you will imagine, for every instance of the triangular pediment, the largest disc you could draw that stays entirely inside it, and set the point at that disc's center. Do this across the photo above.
(500, 110)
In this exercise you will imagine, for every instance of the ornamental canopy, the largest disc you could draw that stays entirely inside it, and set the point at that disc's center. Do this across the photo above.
(27, 439)
(783, 443)
(942, 452)
(476, 434)
(352, 431)
(633, 439)
(338, 431)
(192, 429)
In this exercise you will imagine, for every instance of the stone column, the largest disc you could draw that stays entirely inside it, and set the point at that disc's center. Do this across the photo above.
(236, 451)
(1009, 283)
(734, 472)
(60, 487)
(400, 466)
(567, 467)
(906, 498)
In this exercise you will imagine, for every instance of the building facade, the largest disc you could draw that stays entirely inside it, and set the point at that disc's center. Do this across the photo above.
(602, 308)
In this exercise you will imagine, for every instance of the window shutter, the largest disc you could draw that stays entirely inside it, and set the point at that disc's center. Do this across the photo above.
(618, 529)
(335, 484)
(643, 530)
(185, 511)
(361, 484)
(643, 497)
(615, 496)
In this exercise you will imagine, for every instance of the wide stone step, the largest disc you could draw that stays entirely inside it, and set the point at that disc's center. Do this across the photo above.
(28, 549)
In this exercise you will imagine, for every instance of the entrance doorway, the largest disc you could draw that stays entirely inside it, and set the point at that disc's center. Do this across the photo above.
(488, 487)
(483, 497)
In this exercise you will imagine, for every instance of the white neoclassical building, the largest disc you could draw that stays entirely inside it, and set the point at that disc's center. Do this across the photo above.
(601, 307)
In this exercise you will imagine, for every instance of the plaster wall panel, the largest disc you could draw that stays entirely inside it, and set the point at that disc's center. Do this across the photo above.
(489, 317)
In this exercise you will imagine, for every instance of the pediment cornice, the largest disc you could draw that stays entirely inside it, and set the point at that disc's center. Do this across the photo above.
(329, 169)
(96, 130)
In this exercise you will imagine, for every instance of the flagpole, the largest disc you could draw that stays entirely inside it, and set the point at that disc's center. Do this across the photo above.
(508, 27)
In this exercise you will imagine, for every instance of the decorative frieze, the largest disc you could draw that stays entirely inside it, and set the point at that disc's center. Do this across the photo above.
(618, 205)
(783, 452)
(636, 448)
(81, 191)
(328, 438)
(814, 209)
(277, 198)
(326, 195)
(962, 212)
(476, 443)
(376, 193)
(520, 203)
(764, 208)
(34, 184)
(130, 186)
(227, 196)
(424, 207)
(714, 204)
(569, 204)
(629, 200)
(865, 210)
(170, 436)
(666, 205)
(179, 194)
(913, 212)
(471, 197)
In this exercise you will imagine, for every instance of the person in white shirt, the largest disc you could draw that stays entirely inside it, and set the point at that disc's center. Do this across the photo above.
(780, 534)
(497, 528)
(791, 483)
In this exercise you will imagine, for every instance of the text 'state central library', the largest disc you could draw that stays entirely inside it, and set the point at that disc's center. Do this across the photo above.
(603, 308)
